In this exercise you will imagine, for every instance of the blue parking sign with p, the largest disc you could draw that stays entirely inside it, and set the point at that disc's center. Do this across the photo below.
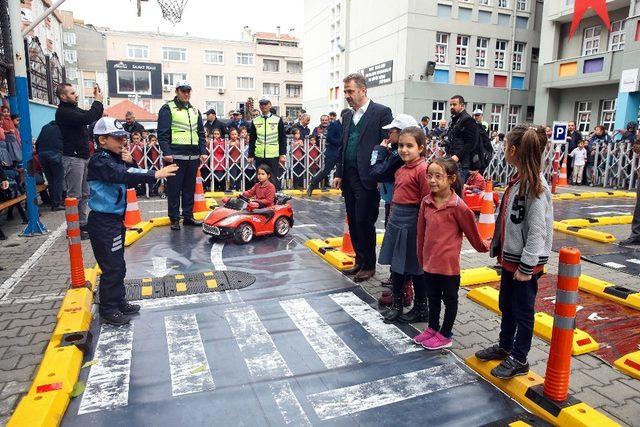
(560, 131)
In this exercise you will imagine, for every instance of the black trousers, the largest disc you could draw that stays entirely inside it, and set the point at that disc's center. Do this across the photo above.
(362, 211)
(398, 280)
(442, 288)
(180, 188)
(52, 167)
(274, 165)
(517, 303)
(106, 233)
(329, 164)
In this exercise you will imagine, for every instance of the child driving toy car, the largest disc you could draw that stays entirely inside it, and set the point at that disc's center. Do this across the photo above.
(263, 192)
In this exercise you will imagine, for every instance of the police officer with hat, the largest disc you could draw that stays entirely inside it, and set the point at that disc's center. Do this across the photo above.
(181, 138)
(267, 140)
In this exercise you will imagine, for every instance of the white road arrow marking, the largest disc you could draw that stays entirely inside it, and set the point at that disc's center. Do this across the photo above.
(594, 316)
(160, 267)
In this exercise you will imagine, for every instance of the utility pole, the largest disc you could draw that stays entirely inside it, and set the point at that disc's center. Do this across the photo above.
(19, 101)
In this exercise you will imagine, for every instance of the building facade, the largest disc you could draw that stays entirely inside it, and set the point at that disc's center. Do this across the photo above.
(581, 78)
(145, 67)
(485, 50)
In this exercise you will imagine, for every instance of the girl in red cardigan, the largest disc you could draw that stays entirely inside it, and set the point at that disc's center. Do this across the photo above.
(442, 220)
(263, 192)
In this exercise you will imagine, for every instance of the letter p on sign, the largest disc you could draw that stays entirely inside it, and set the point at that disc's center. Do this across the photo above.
(560, 130)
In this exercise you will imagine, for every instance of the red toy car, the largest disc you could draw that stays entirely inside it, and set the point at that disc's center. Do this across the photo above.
(242, 219)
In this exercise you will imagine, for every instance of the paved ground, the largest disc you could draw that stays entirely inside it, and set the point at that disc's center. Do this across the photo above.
(34, 280)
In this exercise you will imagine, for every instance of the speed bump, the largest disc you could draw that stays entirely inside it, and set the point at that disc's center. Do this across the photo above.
(477, 276)
(487, 297)
(629, 364)
(584, 232)
(599, 221)
(619, 294)
(527, 390)
(40, 410)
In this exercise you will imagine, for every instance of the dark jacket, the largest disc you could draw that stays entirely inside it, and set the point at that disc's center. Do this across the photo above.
(282, 139)
(384, 163)
(304, 130)
(73, 122)
(50, 139)
(371, 133)
(463, 138)
(133, 127)
(164, 134)
(573, 139)
(334, 140)
(216, 124)
(237, 125)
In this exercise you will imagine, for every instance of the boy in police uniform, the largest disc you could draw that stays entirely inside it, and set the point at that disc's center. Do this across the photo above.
(108, 177)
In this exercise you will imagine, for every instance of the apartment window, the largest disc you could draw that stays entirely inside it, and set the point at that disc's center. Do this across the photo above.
(217, 106)
(271, 88)
(71, 73)
(464, 14)
(482, 47)
(584, 116)
(244, 58)
(616, 37)
(503, 3)
(213, 82)
(591, 40)
(244, 83)
(69, 38)
(133, 82)
(89, 83)
(294, 91)
(174, 54)
(501, 53)
(70, 55)
(213, 57)
(442, 47)
(137, 51)
(437, 111)
(173, 78)
(462, 50)
(514, 116)
(518, 56)
(484, 2)
(271, 65)
(521, 5)
(295, 67)
(496, 117)
(477, 105)
(608, 115)
(291, 111)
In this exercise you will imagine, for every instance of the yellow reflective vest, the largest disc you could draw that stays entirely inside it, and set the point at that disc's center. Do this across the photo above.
(267, 136)
(184, 125)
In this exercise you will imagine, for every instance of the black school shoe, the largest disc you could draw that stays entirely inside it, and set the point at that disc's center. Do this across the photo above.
(492, 353)
(510, 368)
(127, 308)
(191, 222)
(116, 319)
(175, 225)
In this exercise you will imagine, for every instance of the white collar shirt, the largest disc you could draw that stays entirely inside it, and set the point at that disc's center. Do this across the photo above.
(357, 115)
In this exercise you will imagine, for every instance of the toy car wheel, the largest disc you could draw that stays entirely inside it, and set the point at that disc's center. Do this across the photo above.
(282, 226)
(243, 234)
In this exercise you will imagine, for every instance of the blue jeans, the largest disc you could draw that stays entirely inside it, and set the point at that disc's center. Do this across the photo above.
(52, 166)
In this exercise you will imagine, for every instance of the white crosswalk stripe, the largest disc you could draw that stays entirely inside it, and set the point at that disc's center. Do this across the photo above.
(107, 386)
(388, 335)
(329, 347)
(188, 362)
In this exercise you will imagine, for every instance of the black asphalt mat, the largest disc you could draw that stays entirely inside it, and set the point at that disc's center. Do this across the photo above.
(627, 262)
(258, 364)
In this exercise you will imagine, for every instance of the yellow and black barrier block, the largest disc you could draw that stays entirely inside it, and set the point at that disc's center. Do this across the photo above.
(584, 232)
(221, 194)
(478, 276)
(619, 294)
(161, 221)
(594, 195)
(329, 250)
(527, 390)
(583, 342)
(40, 410)
(629, 364)
(599, 221)
(135, 233)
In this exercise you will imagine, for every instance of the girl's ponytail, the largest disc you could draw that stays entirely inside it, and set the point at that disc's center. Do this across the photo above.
(530, 142)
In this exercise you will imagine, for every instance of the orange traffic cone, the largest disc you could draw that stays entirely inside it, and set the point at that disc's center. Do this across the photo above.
(487, 221)
(199, 204)
(347, 246)
(562, 177)
(75, 247)
(132, 215)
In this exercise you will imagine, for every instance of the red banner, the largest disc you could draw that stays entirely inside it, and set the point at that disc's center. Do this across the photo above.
(581, 6)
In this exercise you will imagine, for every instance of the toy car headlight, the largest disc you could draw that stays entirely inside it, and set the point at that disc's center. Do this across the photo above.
(208, 216)
(227, 221)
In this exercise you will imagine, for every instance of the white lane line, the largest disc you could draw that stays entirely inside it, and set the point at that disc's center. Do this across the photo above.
(634, 261)
(216, 256)
(187, 360)
(329, 347)
(288, 403)
(304, 225)
(234, 296)
(388, 335)
(361, 397)
(614, 265)
(263, 359)
(108, 382)
(178, 300)
(31, 300)
(18, 275)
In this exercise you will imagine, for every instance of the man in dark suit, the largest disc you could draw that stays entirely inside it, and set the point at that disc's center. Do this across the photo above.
(362, 129)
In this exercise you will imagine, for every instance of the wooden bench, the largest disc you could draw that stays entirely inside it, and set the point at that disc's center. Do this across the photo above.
(17, 202)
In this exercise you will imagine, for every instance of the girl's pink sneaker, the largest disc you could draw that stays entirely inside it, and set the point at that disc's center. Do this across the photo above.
(423, 336)
(436, 342)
